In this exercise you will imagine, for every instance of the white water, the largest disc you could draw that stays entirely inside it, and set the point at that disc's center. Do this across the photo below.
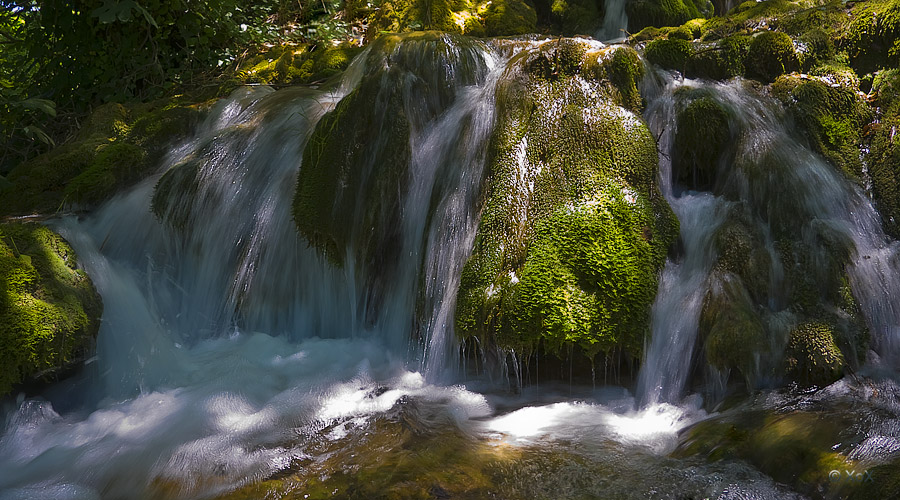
(615, 21)
(785, 184)
(225, 349)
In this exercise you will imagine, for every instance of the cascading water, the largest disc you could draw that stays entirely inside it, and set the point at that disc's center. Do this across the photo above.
(234, 351)
(788, 189)
(615, 20)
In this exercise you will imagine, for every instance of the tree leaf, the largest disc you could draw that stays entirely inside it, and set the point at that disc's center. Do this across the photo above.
(44, 105)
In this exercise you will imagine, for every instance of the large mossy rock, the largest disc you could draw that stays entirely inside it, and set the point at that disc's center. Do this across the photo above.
(355, 174)
(701, 141)
(872, 39)
(771, 54)
(884, 157)
(574, 231)
(297, 64)
(831, 115)
(496, 18)
(49, 310)
(115, 148)
(813, 357)
(643, 13)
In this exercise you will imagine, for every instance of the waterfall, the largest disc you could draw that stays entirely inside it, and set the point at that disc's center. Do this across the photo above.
(615, 21)
(789, 189)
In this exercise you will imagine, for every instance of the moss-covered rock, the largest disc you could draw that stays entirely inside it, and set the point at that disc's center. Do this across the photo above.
(49, 310)
(574, 231)
(872, 39)
(884, 151)
(669, 53)
(831, 115)
(355, 170)
(642, 13)
(771, 54)
(719, 60)
(298, 64)
(509, 17)
(740, 246)
(734, 337)
(701, 141)
(572, 17)
(813, 357)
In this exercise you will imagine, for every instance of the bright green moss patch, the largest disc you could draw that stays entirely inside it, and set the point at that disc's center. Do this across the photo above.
(720, 60)
(884, 157)
(49, 310)
(297, 64)
(872, 39)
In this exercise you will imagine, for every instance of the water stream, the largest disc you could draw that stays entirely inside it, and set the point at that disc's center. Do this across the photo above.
(232, 352)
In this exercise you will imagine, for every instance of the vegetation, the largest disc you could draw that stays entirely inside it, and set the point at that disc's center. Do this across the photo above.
(49, 310)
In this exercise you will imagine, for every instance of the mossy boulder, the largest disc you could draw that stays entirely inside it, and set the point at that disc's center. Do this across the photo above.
(733, 335)
(355, 171)
(49, 310)
(571, 17)
(574, 230)
(703, 134)
(643, 13)
(669, 53)
(298, 64)
(884, 151)
(872, 40)
(509, 17)
(813, 357)
(831, 115)
(740, 246)
(771, 54)
(719, 60)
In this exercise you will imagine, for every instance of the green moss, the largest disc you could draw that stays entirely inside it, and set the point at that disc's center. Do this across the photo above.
(107, 121)
(871, 39)
(453, 16)
(733, 335)
(669, 53)
(884, 156)
(573, 231)
(771, 54)
(813, 357)
(701, 140)
(338, 176)
(642, 13)
(572, 17)
(740, 246)
(625, 71)
(509, 17)
(116, 165)
(49, 310)
(831, 116)
(721, 60)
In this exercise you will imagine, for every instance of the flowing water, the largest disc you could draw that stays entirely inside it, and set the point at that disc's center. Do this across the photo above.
(615, 21)
(231, 352)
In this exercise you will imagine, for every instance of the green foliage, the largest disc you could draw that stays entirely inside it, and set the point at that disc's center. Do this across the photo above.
(49, 310)
(872, 39)
(831, 116)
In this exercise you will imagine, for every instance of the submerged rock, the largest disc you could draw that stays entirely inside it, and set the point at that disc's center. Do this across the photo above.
(49, 310)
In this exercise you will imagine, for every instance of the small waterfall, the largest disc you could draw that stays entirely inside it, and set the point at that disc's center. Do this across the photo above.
(615, 21)
(789, 191)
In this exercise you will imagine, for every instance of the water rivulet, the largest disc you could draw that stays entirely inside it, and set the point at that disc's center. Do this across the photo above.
(284, 299)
